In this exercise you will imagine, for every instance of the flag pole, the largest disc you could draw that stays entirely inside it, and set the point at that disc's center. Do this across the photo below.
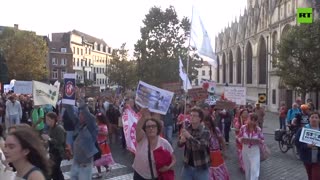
(187, 70)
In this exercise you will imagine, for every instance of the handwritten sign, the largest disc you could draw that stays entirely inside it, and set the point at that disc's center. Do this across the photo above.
(310, 136)
(236, 94)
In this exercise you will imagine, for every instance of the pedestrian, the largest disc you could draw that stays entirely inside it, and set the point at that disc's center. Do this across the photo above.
(238, 123)
(168, 124)
(261, 113)
(84, 146)
(218, 169)
(196, 139)
(282, 116)
(37, 117)
(56, 140)
(26, 152)
(148, 139)
(292, 113)
(251, 138)
(309, 152)
(13, 111)
(106, 159)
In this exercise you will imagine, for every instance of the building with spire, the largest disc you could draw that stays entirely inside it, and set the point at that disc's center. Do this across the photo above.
(243, 50)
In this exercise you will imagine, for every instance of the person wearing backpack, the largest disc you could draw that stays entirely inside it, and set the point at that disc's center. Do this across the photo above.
(292, 113)
(56, 141)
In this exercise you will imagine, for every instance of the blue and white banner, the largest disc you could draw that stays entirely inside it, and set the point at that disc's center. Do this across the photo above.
(69, 90)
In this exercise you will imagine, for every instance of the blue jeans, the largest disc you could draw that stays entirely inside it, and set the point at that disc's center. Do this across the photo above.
(168, 130)
(69, 138)
(192, 173)
(81, 171)
(282, 123)
(14, 119)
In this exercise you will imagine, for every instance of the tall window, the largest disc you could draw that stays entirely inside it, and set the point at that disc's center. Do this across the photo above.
(203, 72)
(230, 68)
(63, 62)
(54, 74)
(249, 63)
(274, 96)
(54, 61)
(63, 50)
(239, 66)
(62, 73)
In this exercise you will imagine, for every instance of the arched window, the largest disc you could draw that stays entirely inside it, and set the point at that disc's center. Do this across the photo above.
(230, 67)
(262, 61)
(249, 63)
(239, 66)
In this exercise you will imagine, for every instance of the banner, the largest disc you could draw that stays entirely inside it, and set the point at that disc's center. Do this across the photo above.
(130, 120)
(23, 87)
(236, 94)
(155, 99)
(310, 136)
(69, 90)
(44, 94)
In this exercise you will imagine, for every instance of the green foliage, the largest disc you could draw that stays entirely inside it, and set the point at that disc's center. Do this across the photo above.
(299, 58)
(25, 53)
(163, 41)
(121, 71)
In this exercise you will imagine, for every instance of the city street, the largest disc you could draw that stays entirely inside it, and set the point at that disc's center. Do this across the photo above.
(278, 167)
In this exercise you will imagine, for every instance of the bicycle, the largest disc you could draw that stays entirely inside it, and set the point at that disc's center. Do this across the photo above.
(286, 141)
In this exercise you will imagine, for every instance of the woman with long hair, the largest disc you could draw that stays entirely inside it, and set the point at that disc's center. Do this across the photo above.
(24, 149)
(218, 169)
(239, 121)
(252, 138)
(106, 157)
(56, 139)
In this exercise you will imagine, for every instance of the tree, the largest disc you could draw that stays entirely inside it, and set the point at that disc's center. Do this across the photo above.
(299, 58)
(122, 71)
(25, 53)
(163, 41)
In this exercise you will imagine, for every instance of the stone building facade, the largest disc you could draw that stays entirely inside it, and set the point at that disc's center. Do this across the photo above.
(243, 50)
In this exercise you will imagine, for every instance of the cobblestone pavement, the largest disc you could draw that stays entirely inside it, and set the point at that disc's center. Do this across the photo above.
(279, 166)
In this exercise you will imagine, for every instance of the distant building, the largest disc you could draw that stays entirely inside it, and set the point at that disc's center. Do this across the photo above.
(203, 73)
(243, 50)
(60, 61)
(90, 56)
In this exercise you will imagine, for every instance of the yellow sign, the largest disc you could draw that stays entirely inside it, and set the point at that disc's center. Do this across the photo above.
(262, 97)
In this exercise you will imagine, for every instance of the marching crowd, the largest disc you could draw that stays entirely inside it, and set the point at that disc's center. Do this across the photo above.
(35, 139)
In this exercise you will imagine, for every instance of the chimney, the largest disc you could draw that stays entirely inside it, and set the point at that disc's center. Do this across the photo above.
(16, 26)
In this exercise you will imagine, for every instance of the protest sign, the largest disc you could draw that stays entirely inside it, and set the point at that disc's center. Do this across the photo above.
(44, 94)
(155, 99)
(69, 90)
(225, 105)
(173, 87)
(129, 121)
(23, 87)
(236, 94)
(197, 94)
(310, 136)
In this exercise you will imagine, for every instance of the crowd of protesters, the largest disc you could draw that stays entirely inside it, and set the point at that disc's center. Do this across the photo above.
(34, 140)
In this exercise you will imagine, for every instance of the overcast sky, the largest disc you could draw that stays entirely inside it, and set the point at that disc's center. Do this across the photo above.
(115, 21)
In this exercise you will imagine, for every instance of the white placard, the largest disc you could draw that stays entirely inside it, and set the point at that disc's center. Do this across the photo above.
(155, 99)
(236, 94)
(23, 87)
(310, 136)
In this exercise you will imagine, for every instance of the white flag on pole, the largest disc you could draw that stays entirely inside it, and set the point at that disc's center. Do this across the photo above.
(200, 39)
(44, 94)
(184, 77)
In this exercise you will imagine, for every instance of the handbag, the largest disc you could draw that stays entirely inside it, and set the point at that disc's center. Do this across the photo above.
(150, 162)
(264, 152)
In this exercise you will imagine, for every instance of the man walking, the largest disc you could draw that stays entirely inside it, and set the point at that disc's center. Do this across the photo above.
(13, 111)
(196, 140)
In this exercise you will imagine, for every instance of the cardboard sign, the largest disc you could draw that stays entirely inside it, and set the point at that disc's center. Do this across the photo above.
(310, 136)
(225, 105)
(197, 94)
(173, 87)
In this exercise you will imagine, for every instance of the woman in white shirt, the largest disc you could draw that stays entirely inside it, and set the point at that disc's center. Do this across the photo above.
(148, 132)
